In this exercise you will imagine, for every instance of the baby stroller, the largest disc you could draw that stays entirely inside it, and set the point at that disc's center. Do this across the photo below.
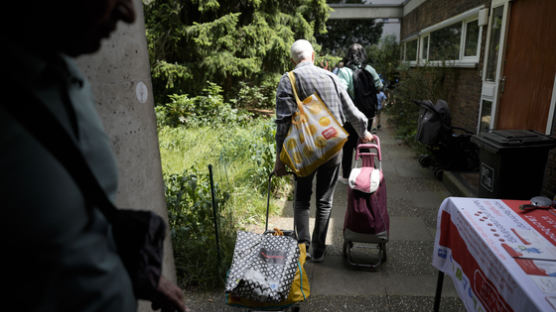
(446, 149)
(366, 223)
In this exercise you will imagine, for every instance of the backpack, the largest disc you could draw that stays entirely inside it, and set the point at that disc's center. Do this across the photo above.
(364, 92)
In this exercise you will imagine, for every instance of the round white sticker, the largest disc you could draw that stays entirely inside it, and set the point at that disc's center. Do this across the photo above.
(142, 92)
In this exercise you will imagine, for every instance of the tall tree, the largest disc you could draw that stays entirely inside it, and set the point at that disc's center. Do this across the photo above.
(341, 33)
(225, 41)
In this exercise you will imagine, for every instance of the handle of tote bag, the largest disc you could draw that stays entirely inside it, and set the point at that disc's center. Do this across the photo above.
(268, 197)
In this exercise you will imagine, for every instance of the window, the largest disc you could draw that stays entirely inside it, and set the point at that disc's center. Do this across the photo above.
(471, 38)
(494, 43)
(486, 114)
(425, 48)
(456, 41)
(411, 50)
(445, 42)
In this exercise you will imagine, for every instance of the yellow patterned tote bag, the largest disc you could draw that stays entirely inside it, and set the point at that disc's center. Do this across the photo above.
(315, 136)
(299, 290)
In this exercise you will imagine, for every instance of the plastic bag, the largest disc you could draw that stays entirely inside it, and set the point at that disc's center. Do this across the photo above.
(315, 136)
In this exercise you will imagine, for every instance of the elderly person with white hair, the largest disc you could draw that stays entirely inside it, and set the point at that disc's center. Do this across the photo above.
(310, 79)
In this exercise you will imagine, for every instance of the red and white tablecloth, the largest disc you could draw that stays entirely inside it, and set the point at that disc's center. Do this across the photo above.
(499, 258)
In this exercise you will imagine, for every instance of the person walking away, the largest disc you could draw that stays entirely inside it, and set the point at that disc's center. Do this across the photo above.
(337, 68)
(309, 79)
(356, 59)
(59, 252)
(381, 101)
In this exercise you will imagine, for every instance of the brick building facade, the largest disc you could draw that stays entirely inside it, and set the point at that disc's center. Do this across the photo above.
(428, 16)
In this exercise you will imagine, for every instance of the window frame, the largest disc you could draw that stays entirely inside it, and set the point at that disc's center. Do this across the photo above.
(463, 20)
(414, 61)
(422, 47)
(472, 58)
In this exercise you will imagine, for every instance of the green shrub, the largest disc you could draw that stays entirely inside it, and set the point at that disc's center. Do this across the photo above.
(327, 61)
(257, 95)
(417, 83)
(257, 148)
(242, 158)
(251, 97)
(208, 109)
(385, 57)
(191, 221)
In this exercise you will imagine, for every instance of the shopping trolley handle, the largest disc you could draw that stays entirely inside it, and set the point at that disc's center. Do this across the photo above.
(370, 147)
(375, 139)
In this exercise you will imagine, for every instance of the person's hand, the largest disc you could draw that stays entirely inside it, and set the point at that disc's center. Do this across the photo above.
(367, 138)
(279, 168)
(169, 297)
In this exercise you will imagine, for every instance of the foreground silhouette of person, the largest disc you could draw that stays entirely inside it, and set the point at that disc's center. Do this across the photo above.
(59, 253)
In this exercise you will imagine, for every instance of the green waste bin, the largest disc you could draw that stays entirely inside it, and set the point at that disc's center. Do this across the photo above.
(512, 163)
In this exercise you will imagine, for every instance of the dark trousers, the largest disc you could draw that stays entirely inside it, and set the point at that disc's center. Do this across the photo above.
(347, 150)
(327, 175)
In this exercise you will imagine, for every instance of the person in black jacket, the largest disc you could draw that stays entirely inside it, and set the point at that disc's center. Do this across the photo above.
(355, 58)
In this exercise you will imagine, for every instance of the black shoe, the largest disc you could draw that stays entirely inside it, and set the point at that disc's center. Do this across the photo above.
(318, 256)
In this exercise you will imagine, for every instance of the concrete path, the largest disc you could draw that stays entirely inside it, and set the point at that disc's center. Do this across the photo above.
(407, 280)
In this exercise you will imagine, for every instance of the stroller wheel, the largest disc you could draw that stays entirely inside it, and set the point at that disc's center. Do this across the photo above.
(438, 173)
(425, 161)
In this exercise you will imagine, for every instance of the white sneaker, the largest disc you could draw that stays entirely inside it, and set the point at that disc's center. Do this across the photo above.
(343, 180)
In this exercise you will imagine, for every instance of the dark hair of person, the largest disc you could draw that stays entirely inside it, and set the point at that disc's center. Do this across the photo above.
(356, 56)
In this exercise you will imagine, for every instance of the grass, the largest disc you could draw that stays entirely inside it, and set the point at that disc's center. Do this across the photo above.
(242, 158)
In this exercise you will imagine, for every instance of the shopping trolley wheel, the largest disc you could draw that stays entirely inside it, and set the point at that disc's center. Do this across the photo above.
(383, 248)
(438, 173)
(347, 245)
(425, 160)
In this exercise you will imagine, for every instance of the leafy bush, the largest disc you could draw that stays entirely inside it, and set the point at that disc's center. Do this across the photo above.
(258, 149)
(191, 219)
(252, 97)
(418, 83)
(208, 109)
(385, 58)
(242, 159)
(327, 61)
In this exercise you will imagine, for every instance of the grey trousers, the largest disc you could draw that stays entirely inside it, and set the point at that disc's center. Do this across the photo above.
(327, 175)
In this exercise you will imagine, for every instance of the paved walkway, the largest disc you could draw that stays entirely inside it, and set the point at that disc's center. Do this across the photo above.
(407, 280)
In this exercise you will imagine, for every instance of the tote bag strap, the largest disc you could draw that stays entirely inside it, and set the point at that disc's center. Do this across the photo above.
(292, 80)
(297, 100)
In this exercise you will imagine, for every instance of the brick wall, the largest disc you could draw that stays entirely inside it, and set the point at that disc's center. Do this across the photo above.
(465, 84)
(465, 92)
(435, 11)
